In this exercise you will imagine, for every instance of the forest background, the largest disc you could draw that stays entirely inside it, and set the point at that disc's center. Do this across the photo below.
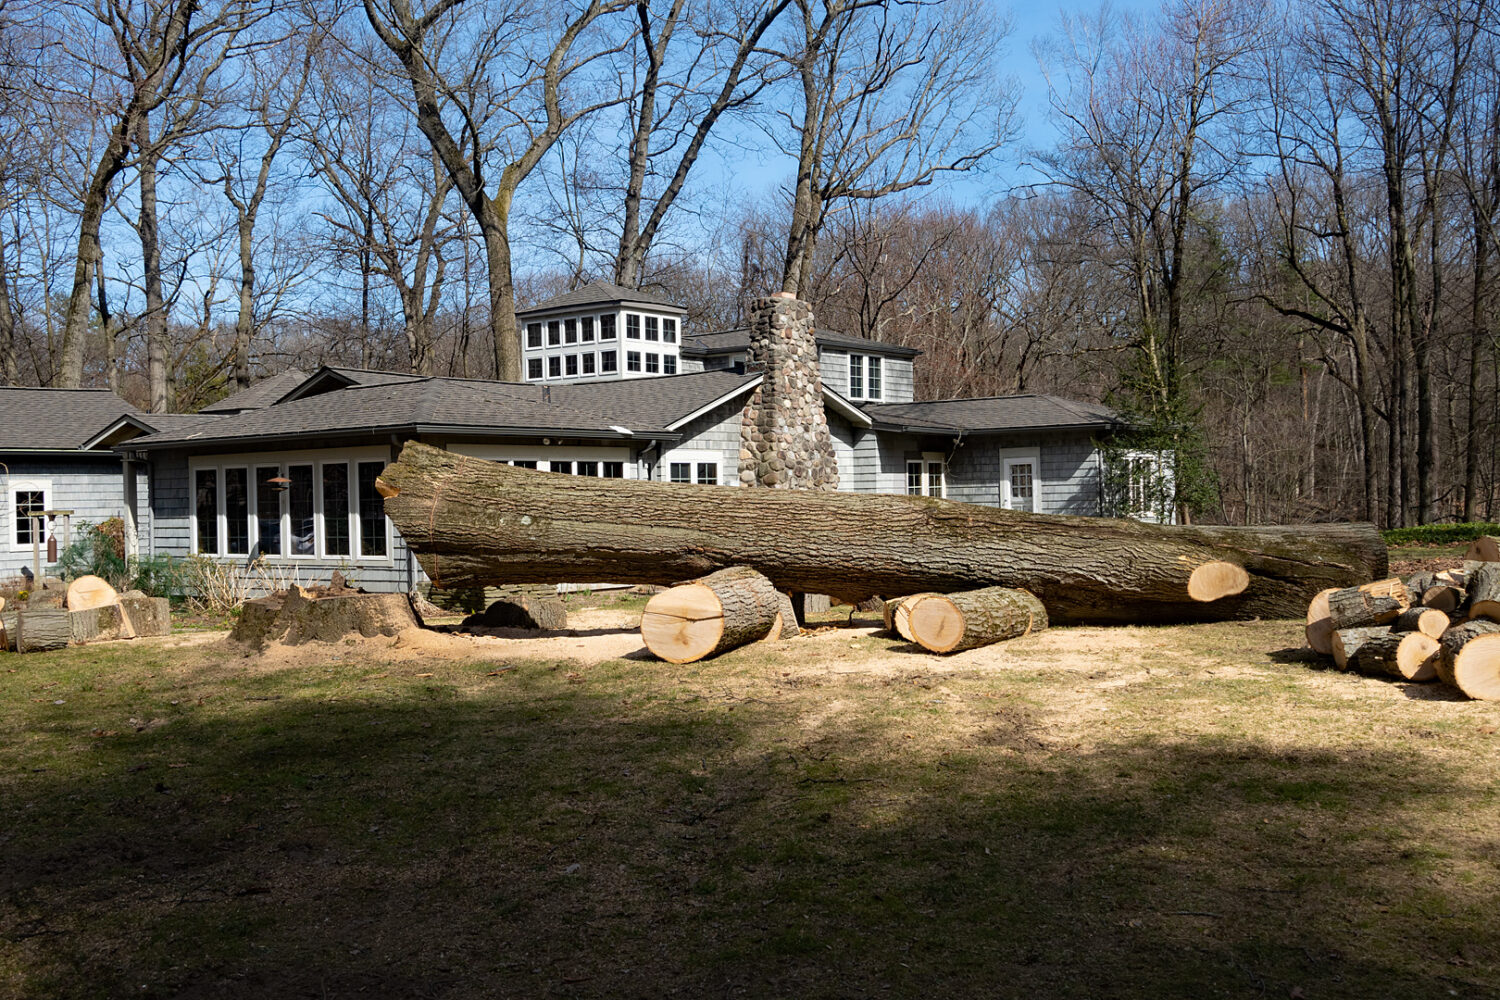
(1267, 231)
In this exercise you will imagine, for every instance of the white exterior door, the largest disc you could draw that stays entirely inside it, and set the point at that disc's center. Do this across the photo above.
(1019, 482)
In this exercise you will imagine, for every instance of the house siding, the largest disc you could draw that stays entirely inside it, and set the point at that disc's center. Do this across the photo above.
(897, 380)
(1068, 471)
(93, 488)
(716, 431)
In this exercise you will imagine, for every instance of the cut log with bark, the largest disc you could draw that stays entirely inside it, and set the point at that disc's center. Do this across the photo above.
(1444, 598)
(898, 614)
(1471, 659)
(296, 616)
(1484, 592)
(522, 611)
(473, 523)
(1418, 583)
(785, 626)
(89, 592)
(950, 623)
(1347, 642)
(101, 624)
(713, 615)
(42, 629)
(1485, 548)
(1373, 655)
(1319, 629)
(1375, 604)
(149, 616)
(1428, 621)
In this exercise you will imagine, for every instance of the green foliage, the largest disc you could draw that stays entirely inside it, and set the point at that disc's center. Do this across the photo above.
(99, 550)
(1439, 534)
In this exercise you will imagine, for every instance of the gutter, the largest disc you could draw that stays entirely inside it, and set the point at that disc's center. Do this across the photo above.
(455, 430)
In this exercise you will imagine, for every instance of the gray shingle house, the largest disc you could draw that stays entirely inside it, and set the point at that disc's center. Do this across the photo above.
(286, 470)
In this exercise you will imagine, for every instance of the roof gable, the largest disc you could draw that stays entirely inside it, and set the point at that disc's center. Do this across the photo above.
(36, 419)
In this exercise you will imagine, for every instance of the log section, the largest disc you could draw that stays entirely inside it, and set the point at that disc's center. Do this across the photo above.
(1375, 604)
(1471, 659)
(1429, 621)
(1347, 642)
(1485, 548)
(1320, 623)
(1484, 592)
(473, 523)
(1418, 656)
(713, 615)
(949, 623)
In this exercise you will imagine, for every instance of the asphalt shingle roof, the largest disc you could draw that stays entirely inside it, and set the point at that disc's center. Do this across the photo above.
(57, 419)
(731, 341)
(642, 405)
(260, 394)
(995, 413)
(596, 294)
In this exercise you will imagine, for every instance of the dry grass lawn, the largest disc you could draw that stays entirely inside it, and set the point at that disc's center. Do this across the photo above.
(1089, 813)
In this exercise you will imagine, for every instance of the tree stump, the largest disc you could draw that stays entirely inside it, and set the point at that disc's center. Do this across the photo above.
(950, 623)
(723, 610)
(149, 616)
(298, 616)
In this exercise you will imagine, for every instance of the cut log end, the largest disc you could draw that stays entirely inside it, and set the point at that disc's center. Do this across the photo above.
(1320, 623)
(386, 490)
(1216, 580)
(1476, 668)
(948, 623)
(692, 621)
(1418, 656)
(90, 592)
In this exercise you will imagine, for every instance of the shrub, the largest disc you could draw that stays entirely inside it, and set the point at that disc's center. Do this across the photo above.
(1439, 534)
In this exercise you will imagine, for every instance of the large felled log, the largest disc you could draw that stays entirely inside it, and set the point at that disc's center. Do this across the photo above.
(948, 623)
(1378, 603)
(1484, 592)
(1471, 659)
(472, 523)
(710, 616)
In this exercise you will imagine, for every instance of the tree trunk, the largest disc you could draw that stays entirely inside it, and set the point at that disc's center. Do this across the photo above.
(155, 315)
(949, 623)
(474, 523)
(720, 612)
(9, 372)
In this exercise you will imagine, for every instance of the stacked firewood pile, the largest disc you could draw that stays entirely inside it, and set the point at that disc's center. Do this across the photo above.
(1431, 626)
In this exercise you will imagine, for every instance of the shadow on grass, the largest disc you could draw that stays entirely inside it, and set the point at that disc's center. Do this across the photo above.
(541, 839)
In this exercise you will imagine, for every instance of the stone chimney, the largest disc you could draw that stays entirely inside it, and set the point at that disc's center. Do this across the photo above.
(784, 439)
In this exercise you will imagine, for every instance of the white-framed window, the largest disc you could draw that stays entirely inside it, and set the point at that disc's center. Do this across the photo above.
(586, 327)
(632, 326)
(554, 333)
(570, 331)
(291, 506)
(607, 326)
(669, 364)
(701, 468)
(1148, 485)
(602, 461)
(1021, 480)
(588, 363)
(29, 497)
(669, 331)
(927, 476)
(609, 362)
(533, 335)
(554, 366)
(534, 369)
(866, 377)
(632, 361)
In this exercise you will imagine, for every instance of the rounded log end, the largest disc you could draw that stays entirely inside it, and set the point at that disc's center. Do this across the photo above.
(683, 624)
(1418, 656)
(935, 623)
(385, 489)
(1317, 609)
(1216, 580)
(1320, 636)
(1476, 669)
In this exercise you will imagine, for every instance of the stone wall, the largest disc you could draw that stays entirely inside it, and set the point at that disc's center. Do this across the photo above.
(784, 439)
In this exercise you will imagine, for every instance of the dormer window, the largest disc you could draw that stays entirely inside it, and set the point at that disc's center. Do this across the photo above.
(864, 376)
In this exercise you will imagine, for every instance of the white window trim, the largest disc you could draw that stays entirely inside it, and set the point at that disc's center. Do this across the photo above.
(927, 460)
(1020, 456)
(694, 456)
(544, 456)
(252, 461)
(867, 363)
(1157, 459)
(49, 502)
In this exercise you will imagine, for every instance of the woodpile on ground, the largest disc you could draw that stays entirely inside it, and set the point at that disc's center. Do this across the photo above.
(1429, 627)
(88, 610)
